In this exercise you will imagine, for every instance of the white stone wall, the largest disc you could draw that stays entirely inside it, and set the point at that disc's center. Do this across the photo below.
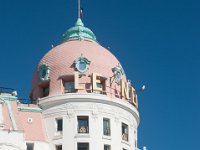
(97, 107)
(39, 145)
(12, 140)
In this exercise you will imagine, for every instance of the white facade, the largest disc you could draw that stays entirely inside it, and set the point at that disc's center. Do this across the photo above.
(12, 140)
(81, 100)
(96, 107)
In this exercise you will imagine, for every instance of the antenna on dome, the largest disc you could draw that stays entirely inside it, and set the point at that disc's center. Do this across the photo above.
(80, 10)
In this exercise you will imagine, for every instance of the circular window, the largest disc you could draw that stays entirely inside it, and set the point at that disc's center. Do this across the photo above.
(43, 72)
(117, 73)
(117, 76)
(82, 66)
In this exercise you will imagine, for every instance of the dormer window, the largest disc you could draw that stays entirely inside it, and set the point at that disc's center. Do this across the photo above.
(45, 91)
(82, 64)
(118, 72)
(69, 87)
(102, 86)
(68, 83)
(44, 88)
(44, 71)
(98, 84)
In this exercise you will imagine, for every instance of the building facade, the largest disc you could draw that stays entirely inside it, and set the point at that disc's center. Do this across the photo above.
(80, 100)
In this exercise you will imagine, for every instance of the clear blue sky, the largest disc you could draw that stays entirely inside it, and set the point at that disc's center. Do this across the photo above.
(157, 42)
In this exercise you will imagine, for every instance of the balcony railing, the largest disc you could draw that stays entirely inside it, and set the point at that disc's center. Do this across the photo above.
(125, 137)
(83, 129)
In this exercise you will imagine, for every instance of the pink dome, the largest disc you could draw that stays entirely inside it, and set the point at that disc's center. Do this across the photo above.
(61, 59)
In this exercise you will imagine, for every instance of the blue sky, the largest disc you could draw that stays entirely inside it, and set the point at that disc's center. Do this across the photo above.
(156, 41)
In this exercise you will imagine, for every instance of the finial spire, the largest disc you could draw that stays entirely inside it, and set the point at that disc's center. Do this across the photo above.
(79, 31)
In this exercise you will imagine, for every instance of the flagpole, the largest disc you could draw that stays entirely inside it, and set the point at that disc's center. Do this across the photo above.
(79, 8)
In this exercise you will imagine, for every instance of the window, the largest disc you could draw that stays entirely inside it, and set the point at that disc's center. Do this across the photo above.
(101, 86)
(106, 126)
(30, 146)
(44, 85)
(107, 147)
(59, 123)
(124, 132)
(58, 147)
(83, 124)
(45, 91)
(98, 84)
(69, 87)
(83, 146)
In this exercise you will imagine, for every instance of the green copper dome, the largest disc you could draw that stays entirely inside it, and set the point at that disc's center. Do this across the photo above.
(79, 32)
